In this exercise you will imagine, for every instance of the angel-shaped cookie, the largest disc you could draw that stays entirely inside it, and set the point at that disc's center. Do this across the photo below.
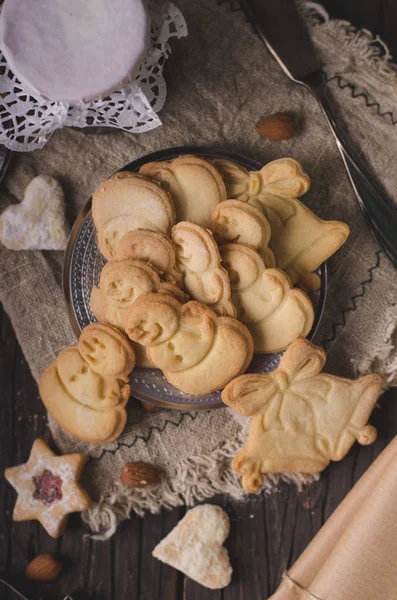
(126, 202)
(197, 351)
(198, 258)
(237, 221)
(274, 312)
(85, 389)
(300, 240)
(121, 283)
(194, 184)
(154, 248)
(302, 418)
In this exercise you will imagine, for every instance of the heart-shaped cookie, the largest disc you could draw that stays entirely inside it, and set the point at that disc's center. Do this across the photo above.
(195, 547)
(38, 222)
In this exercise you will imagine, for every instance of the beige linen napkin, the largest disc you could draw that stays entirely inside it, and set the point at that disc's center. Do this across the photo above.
(354, 555)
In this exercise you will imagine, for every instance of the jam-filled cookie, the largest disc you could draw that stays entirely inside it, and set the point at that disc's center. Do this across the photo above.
(48, 488)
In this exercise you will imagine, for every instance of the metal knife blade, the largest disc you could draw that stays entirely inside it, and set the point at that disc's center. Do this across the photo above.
(279, 25)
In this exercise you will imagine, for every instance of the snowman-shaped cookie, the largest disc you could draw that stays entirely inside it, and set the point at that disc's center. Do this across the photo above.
(274, 312)
(198, 259)
(197, 351)
(86, 388)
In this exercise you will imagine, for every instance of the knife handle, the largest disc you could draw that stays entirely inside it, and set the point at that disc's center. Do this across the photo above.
(381, 216)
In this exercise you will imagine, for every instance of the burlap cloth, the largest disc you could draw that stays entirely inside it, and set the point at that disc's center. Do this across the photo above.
(221, 81)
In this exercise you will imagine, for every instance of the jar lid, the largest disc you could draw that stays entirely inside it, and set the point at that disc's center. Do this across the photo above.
(74, 50)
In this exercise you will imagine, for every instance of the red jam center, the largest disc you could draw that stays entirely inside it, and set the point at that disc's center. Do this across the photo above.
(48, 487)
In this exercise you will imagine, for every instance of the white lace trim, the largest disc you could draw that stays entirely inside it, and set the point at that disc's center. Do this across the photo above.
(26, 123)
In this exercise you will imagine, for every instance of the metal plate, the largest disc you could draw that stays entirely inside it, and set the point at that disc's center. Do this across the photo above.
(82, 269)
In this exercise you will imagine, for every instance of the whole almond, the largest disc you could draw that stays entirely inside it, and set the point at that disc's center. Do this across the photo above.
(140, 474)
(279, 126)
(151, 408)
(43, 568)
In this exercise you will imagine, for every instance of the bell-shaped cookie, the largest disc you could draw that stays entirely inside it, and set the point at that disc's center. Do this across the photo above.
(197, 351)
(237, 221)
(300, 240)
(85, 389)
(194, 184)
(274, 312)
(301, 418)
(198, 258)
(126, 202)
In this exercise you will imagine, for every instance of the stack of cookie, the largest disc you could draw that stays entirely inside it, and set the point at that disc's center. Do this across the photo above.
(202, 259)
(238, 256)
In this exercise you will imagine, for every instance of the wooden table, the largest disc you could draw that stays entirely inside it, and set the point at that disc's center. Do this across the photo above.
(268, 533)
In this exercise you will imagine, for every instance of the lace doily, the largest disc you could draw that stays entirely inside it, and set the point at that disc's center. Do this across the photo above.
(26, 123)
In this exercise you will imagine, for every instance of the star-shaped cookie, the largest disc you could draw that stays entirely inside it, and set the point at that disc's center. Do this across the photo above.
(47, 487)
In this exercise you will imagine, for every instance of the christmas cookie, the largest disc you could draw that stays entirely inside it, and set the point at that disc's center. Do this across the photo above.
(154, 248)
(274, 312)
(126, 202)
(194, 184)
(86, 388)
(197, 351)
(48, 488)
(38, 222)
(197, 257)
(236, 221)
(195, 546)
(300, 240)
(301, 418)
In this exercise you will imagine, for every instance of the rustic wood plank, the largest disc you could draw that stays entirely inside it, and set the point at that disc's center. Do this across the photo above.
(27, 424)
(126, 556)
(247, 547)
(388, 25)
(8, 349)
(74, 550)
(153, 574)
(172, 581)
